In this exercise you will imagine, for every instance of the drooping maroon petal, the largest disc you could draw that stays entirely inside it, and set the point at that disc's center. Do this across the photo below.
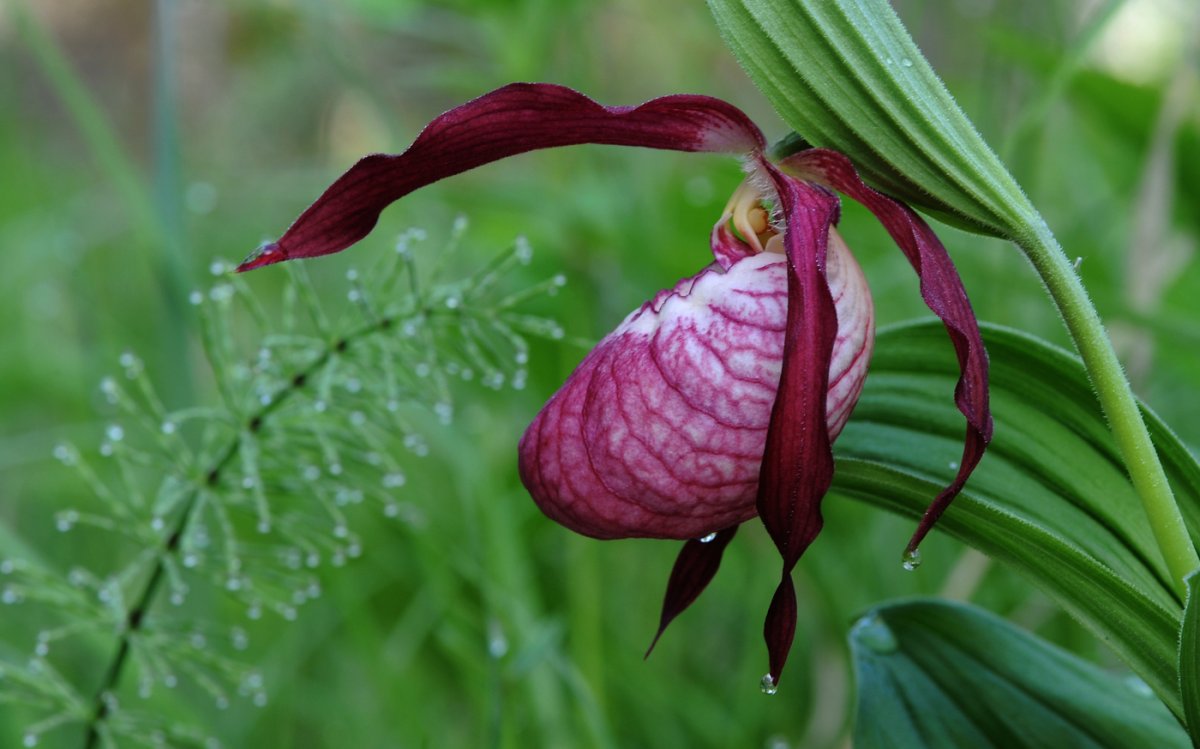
(797, 466)
(943, 292)
(514, 119)
(779, 629)
(694, 569)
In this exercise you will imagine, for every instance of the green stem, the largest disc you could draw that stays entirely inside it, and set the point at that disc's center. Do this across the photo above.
(1116, 399)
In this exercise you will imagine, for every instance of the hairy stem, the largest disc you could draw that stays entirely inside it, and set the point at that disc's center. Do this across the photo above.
(1117, 401)
(136, 615)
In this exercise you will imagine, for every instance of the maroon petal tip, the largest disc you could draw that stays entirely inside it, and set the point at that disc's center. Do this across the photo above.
(694, 569)
(268, 254)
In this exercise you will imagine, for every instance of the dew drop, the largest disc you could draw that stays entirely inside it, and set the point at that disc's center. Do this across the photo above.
(911, 559)
(906, 62)
(708, 539)
(358, 418)
(393, 480)
(114, 432)
(64, 454)
(238, 638)
(7, 567)
(29, 739)
(264, 526)
(335, 469)
(196, 298)
(768, 685)
(260, 699)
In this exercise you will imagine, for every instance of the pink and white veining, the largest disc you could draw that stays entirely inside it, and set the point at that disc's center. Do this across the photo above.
(660, 431)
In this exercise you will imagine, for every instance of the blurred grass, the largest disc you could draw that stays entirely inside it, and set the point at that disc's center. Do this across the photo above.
(134, 158)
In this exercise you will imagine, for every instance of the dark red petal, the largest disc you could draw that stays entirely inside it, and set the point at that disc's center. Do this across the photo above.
(694, 569)
(517, 118)
(797, 466)
(780, 627)
(943, 292)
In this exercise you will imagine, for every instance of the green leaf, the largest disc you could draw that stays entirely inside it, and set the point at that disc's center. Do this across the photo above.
(846, 75)
(1189, 659)
(1051, 497)
(938, 674)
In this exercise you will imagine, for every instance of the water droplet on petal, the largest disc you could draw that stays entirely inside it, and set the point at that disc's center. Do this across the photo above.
(768, 685)
(708, 539)
(911, 559)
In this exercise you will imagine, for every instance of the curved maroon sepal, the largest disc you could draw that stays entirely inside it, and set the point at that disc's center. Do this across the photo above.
(694, 569)
(943, 292)
(511, 120)
(779, 630)
(797, 465)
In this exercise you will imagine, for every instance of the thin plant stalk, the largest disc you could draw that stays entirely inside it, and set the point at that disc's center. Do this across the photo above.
(1116, 399)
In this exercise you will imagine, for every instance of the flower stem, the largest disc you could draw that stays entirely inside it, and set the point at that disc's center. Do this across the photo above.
(1116, 399)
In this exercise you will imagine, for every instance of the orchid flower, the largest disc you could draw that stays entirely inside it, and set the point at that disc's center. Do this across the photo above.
(719, 399)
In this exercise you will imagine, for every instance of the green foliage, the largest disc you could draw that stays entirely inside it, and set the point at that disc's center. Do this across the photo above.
(935, 674)
(1189, 661)
(1051, 499)
(473, 621)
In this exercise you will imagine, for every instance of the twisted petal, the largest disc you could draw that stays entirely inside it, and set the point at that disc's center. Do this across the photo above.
(943, 292)
(797, 466)
(517, 118)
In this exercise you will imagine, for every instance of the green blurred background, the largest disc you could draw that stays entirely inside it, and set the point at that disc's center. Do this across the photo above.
(139, 141)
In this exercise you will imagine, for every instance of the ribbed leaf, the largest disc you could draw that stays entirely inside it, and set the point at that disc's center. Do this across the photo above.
(1051, 496)
(935, 674)
(1189, 659)
(846, 75)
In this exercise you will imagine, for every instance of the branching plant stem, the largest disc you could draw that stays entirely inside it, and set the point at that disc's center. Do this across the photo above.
(254, 422)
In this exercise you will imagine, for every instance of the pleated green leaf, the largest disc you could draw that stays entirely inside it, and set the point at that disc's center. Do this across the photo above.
(1189, 659)
(1051, 497)
(846, 75)
(935, 674)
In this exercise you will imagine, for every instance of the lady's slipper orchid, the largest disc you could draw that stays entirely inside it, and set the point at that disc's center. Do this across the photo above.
(719, 399)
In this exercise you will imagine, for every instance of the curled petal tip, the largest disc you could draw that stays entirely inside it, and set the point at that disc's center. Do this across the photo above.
(266, 254)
